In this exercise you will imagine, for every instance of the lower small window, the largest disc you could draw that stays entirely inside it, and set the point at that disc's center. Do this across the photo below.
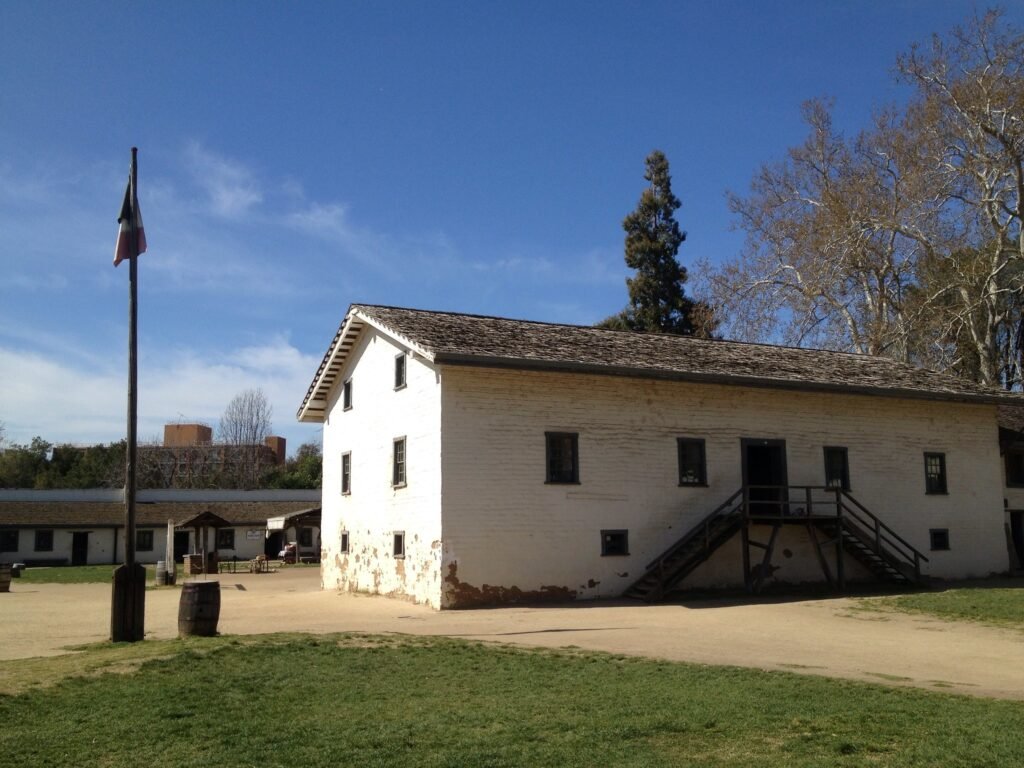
(344, 542)
(939, 538)
(44, 540)
(225, 538)
(144, 541)
(399, 546)
(614, 543)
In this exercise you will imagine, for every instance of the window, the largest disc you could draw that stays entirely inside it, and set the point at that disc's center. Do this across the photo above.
(939, 538)
(305, 537)
(935, 473)
(563, 463)
(399, 546)
(144, 541)
(692, 465)
(614, 543)
(837, 468)
(398, 463)
(1014, 461)
(9, 541)
(346, 473)
(344, 542)
(225, 538)
(44, 540)
(400, 371)
(346, 395)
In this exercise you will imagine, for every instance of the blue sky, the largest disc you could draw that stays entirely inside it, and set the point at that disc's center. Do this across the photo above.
(297, 157)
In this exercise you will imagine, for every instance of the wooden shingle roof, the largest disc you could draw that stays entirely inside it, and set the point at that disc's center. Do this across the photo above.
(460, 339)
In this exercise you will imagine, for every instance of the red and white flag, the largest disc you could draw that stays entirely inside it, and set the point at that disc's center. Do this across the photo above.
(124, 249)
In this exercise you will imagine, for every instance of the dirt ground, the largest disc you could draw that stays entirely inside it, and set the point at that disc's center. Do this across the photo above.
(827, 637)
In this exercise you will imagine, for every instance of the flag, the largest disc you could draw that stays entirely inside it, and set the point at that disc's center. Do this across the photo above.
(124, 249)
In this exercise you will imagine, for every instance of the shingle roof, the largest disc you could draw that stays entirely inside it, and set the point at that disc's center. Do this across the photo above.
(459, 339)
(111, 514)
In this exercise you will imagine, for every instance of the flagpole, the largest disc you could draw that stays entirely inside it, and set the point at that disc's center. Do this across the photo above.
(128, 600)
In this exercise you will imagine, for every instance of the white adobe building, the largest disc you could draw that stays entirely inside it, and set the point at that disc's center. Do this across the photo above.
(475, 460)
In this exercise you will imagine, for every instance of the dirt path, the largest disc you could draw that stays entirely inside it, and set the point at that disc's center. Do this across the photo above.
(822, 637)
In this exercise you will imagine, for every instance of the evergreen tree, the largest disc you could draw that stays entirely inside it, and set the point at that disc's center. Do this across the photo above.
(656, 298)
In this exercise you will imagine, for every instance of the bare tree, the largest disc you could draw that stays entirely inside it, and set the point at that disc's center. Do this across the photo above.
(242, 429)
(906, 241)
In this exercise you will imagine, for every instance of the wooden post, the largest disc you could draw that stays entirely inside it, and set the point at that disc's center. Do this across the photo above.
(745, 540)
(840, 569)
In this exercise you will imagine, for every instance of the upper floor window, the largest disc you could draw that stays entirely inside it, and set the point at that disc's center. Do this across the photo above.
(692, 463)
(563, 463)
(935, 473)
(400, 371)
(346, 473)
(398, 463)
(1014, 462)
(346, 395)
(837, 468)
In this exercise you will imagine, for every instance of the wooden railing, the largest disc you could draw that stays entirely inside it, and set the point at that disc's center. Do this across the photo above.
(821, 502)
(703, 528)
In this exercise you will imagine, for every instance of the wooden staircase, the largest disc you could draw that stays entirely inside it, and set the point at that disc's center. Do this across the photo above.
(675, 563)
(831, 513)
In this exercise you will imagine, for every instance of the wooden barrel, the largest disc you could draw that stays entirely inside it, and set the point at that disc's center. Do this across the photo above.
(199, 609)
(161, 573)
(5, 577)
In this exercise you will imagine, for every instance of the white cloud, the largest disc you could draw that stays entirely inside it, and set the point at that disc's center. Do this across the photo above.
(231, 188)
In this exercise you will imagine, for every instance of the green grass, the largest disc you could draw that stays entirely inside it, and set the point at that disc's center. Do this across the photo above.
(352, 700)
(77, 574)
(988, 605)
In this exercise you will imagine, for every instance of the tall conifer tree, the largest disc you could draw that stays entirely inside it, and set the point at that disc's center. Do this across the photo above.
(656, 299)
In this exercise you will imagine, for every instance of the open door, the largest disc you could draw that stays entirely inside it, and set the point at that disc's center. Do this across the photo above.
(764, 468)
(80, 548)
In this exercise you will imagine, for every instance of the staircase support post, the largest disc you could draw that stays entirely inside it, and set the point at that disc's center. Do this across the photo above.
(745, 540)
(840, 569)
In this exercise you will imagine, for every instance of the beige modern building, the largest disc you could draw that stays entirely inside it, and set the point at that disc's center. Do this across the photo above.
(475, 460)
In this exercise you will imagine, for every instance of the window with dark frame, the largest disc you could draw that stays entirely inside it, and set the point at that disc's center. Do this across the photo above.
(305, 537)
(837, 467)
(346, 473)
(692, 462)
(400, 371)
(143, 541)
(398, 463)
(344, 542)
(935, 473)
(1014, 463)
(563, 463)
(346, 395)
(398, 550)
(225, 538)
(9, 540)
(44, 540)
(614, 543)
(939, 538)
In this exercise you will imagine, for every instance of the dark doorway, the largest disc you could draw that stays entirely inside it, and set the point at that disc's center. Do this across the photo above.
(180, 546)
(273, 544)
(1017, 534)
(764, 464)
(79, 547)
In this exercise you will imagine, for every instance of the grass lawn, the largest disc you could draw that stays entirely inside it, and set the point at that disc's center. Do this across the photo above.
(77, 574)
(990, 605)
(350, 700)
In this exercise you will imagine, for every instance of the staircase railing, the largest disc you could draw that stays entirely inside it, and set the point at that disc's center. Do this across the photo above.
(703, 528)
(880, 534)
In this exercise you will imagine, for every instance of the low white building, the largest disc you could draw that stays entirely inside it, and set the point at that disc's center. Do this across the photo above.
(86, 527)
(474, 460)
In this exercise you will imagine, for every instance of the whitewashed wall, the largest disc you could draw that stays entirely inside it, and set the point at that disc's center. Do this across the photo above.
(507, 533)
(375, 510)
(101, 546)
